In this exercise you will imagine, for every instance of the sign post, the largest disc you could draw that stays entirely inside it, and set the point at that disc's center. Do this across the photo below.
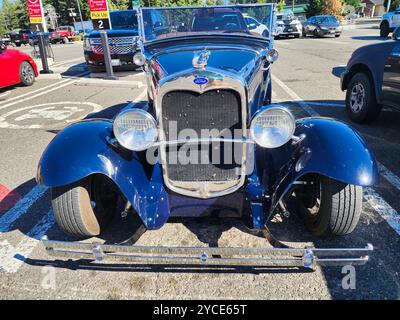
(38, 23)
(36, 16)
(99, 14)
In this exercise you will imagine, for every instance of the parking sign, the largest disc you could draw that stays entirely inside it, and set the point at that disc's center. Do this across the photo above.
(36, 17)
(99, 14)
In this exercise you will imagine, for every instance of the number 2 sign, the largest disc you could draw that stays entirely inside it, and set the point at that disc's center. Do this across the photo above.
(99, 14)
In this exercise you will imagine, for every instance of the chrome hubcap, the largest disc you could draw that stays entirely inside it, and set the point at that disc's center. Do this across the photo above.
(27, 73)
(357, 98)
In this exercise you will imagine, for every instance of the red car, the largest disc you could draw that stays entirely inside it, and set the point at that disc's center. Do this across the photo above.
(16, 67)
(63, 34)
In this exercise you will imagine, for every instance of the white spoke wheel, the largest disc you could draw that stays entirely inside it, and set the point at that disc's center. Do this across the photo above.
(26, 73)
(361, 104)
(329, 207)
(85, 208)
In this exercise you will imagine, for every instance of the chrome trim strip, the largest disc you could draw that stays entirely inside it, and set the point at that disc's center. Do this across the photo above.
(202, 141)
(250, 256)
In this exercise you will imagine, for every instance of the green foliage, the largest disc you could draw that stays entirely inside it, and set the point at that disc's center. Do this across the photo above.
(315, 7)
(354, 3)
(281, 6)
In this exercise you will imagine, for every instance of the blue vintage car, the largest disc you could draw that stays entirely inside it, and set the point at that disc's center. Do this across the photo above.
(207, 142)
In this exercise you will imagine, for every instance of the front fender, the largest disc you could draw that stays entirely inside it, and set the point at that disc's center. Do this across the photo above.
(83, 149)
(337, 151)
(330, 148)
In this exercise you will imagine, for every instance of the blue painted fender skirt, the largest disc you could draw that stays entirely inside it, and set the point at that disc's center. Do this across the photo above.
(82, 149)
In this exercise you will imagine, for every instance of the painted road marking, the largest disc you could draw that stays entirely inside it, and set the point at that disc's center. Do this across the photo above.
(22, 207)
(32, 92)
(391, 216)
(13, 257)
(57, 111)
(64, 84)
(5, 94)
(381, 206)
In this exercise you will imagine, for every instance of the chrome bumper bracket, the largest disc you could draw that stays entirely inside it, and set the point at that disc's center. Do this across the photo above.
(225, 256)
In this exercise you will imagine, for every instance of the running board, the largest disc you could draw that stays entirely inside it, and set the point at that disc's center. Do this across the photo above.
(232, 256)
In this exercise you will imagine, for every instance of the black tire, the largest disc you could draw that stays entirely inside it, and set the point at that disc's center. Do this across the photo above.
(337, 35)
(338, 210)
(365, 108)
(85, 208)
(316, 34)
(18, 45)
(26, 73)
(384, 29)
(297, 36)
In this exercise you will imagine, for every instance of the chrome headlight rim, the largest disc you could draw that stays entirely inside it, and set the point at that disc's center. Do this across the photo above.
(269, 109)
(146, 115)
(139, 59)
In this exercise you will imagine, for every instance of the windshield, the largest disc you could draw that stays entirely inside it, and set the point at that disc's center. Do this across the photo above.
(325, 20)
(124, 20)
(251, 20)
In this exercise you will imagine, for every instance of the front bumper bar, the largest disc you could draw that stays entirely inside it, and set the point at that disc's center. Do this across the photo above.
(237, 256)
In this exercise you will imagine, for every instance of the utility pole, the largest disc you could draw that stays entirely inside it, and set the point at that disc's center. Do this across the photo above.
(72, 14)
(80, 14)
(388, 6)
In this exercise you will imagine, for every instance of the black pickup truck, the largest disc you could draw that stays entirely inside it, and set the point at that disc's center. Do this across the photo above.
(122, 40)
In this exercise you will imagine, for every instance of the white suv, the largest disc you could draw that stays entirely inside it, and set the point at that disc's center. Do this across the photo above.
(390, 21)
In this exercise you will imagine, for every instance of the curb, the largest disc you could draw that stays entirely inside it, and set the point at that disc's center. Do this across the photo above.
(110, 83)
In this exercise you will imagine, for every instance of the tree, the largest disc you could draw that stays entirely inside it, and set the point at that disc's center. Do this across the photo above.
(281, 6)
(315, 7)
(355, 3)
(333, 8)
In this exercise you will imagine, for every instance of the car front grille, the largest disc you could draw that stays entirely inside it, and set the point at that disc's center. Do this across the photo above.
(118, 45)
(216, 109)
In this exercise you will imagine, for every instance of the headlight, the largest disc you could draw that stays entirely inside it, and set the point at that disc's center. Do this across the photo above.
(135, 129)
(272, 127)
(139, 59)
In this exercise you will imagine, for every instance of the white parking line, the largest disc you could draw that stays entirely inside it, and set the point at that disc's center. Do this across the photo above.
(22, 206)
(5, 94)
(60, 85)
(13, 258)
(32, 92)
(374, 199)
(391, 216)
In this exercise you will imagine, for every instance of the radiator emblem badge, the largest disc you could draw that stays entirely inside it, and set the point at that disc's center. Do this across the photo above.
(200, 81)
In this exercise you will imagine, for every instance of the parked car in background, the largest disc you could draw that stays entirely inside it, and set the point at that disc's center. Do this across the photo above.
(16, 67)
(320, 26)
(63, 34)
(287, 25)
(6, 39)
(390, 21)
(372, 79)
(18, 39)
(122, 40)
(255, 26)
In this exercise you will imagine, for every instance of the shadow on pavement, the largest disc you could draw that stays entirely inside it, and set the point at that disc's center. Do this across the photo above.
(370, 38)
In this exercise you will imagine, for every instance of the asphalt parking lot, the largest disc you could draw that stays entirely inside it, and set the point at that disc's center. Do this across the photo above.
(305, 79)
